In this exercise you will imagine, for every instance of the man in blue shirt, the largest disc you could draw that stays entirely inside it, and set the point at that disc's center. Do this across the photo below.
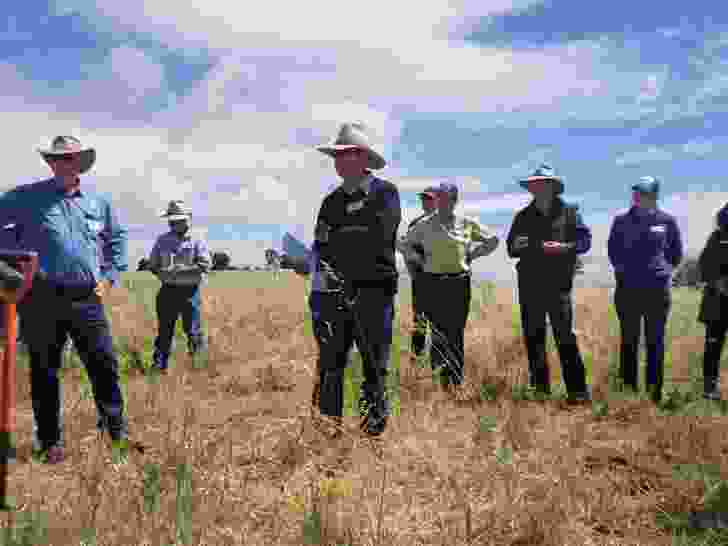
(644, 248)
(82, 250)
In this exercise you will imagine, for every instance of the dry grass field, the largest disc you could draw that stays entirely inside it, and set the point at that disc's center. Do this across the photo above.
(487, 464)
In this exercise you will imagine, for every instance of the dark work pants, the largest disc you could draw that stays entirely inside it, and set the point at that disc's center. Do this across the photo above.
(715, 333)
(47, 320)
(536, 301)
(633, 305)
(446, 304)
(374, 311)
(173, 301)
(418, 333)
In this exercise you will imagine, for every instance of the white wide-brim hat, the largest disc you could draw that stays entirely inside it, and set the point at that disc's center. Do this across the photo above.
(176, 210)
(353, 136)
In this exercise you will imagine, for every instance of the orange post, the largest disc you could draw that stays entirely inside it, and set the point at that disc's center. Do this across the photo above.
(27, 264)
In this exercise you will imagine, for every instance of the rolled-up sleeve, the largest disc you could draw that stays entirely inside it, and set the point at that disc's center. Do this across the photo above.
(115, 247)
(583, 235)
(202, 256)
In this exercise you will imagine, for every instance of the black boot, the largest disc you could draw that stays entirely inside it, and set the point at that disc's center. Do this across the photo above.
(711, 366)
(710, 389)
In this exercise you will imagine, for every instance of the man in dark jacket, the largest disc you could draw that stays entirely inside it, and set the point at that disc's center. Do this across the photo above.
(713, 266)
(356, 234)
(644, 248)
(547, 236)
(418, 332)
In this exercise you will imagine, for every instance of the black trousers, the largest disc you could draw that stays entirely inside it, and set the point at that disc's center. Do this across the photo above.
(536, 301)
(715, 334)
(445, 302)
(370, 326)
(633, 306)
(418, 334)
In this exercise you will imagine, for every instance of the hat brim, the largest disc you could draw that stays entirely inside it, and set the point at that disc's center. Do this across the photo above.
(643, 190)
(376, 161)
(558, 181)
(88, 157)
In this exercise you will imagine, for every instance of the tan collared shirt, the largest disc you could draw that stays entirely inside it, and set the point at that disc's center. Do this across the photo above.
(447, 246)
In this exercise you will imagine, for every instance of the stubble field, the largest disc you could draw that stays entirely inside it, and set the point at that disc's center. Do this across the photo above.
(233, 455)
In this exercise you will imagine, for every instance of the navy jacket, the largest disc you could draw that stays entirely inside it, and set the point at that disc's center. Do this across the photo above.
(644, 248)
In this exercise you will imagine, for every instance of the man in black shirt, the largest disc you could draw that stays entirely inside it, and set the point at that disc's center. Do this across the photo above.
(356, 232)
(418, 334)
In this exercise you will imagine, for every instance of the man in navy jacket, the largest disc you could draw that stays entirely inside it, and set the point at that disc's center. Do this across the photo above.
(644, 249)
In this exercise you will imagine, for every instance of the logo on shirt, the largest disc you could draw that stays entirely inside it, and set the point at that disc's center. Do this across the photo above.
(657, 229)
(353, 207)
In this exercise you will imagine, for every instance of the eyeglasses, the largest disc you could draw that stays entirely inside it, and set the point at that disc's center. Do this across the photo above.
(65, 158)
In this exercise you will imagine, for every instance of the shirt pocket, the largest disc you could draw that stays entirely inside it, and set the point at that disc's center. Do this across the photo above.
(94, 224)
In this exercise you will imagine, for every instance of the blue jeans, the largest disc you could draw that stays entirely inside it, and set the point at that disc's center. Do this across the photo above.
(173, 301)
(47, 319)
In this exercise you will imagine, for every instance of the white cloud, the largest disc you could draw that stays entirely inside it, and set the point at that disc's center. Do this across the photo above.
(638, 157)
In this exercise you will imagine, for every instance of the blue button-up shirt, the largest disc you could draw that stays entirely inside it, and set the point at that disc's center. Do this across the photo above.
(78, 237)
(644, 248)
(184, 250)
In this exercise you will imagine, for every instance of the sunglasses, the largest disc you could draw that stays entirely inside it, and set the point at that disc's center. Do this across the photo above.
(65, 158)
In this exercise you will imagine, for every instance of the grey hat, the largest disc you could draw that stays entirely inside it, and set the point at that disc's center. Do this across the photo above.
(65, 145)
(176, 211)
(545, 172)
(354, 136)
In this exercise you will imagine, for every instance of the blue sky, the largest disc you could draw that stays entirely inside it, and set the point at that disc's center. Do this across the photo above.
(221, 106)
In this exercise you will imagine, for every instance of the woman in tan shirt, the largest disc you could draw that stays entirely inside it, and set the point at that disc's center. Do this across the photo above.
(448, 241)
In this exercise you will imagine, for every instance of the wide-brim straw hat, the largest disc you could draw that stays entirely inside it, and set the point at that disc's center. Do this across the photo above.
(354, 136)
(544, 172)
(64, 145)
(176, 210)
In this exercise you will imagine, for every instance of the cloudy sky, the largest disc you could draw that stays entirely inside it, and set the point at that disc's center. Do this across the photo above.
(220, 104)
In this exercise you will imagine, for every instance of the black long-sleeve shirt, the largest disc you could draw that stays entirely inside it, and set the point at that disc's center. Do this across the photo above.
(362, 239)
(713, 260)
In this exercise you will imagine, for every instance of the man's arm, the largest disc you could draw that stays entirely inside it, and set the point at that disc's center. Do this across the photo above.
(708, 265)
(11, 207)
(115, 247)
(514, 250)
(488, 240)
(202, 256)
(391, 215)
(674, 251)
(615, 245)
(583, 235)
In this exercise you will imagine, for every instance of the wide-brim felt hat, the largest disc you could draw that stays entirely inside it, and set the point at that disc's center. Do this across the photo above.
(353, 136)
(176, 210)
(65, 145)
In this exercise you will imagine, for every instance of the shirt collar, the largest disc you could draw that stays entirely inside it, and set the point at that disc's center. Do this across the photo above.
(186, 237)
(57, 185)
(365, 185)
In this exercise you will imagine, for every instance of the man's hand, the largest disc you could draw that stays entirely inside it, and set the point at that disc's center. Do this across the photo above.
(102, 288)
(722, 286)
(520, 243)
(555, 247)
